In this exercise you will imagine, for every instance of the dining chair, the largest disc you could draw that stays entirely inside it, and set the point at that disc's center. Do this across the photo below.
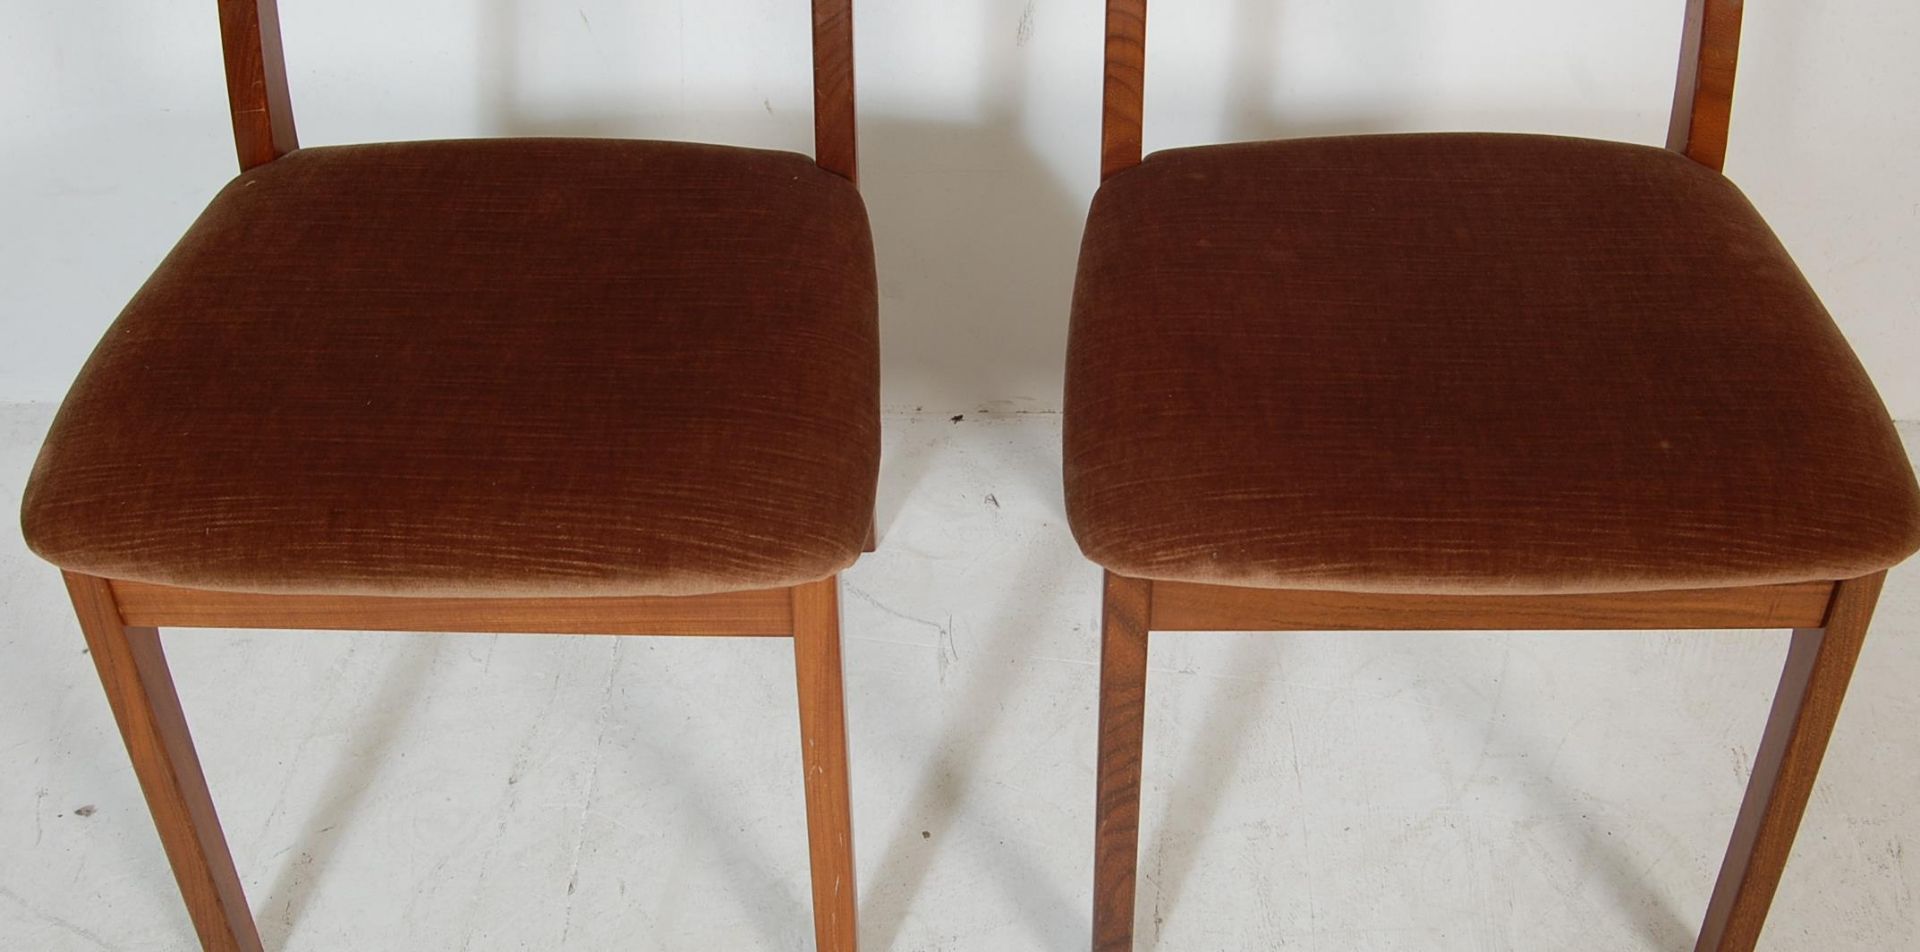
(572, 386)
(1469, 381)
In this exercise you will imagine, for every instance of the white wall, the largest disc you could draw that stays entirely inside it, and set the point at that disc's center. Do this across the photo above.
(979, 124)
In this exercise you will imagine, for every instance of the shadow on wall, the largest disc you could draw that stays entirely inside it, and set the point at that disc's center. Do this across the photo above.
(975, 238)
(977, 246)
(976, 235)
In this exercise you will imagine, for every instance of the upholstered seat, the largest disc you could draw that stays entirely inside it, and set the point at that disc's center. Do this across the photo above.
(501, 368)
(1463, 363)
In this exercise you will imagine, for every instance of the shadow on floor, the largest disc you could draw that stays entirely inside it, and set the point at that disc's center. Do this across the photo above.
(386, 714)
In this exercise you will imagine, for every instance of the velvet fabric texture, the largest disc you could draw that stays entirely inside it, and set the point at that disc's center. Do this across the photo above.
(493, 368)
(1464, 363)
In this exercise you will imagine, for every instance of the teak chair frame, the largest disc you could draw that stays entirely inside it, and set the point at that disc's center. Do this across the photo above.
(1829, 618)
(121, 618)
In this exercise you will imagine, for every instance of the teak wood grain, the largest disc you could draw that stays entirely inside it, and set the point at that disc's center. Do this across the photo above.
(1126, 607)
(1819, 666)
(121, 618)
(823, 744)
(835, 142)
(1188, 606)
(1703, 95)
(1123, 108)
(133, 670)
(1829, 622)
(766, 612)
(256, 81)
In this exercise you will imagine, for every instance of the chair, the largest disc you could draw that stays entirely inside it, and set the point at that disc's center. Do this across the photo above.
(1469, 381)
(516, 385)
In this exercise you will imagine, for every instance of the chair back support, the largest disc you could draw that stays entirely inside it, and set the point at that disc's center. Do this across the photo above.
(1702, 101)
(263, 111)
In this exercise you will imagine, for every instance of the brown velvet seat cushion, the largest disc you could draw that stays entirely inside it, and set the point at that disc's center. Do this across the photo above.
(507, 367)
(1463, 364)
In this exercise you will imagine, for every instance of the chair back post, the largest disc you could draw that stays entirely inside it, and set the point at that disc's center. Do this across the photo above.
(835, 143)
(1703, 96)
(1124, 98)
(256, 81)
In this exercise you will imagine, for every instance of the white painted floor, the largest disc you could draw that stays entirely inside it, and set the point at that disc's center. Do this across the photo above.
(1317, 792)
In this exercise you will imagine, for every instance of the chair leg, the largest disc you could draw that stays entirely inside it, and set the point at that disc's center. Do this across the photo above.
(140, 691)
(823, 740)
(1819, 665)
(1123, 696)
